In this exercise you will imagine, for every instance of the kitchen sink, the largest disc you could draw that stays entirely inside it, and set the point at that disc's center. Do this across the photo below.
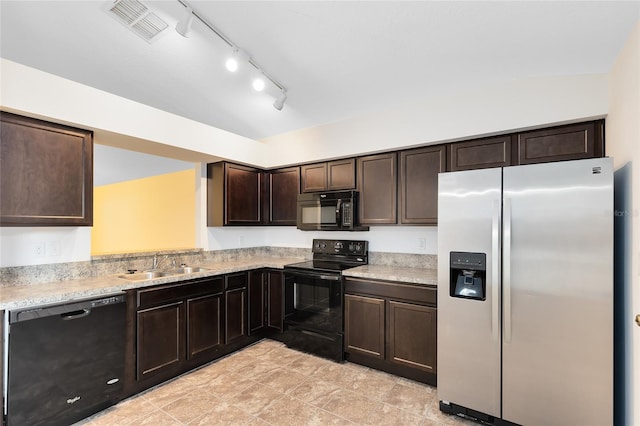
(143, 276)
(187, 270)
(149, 275)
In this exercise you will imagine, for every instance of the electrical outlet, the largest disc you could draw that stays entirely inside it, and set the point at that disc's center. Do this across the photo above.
(422, 243)
(38, 249)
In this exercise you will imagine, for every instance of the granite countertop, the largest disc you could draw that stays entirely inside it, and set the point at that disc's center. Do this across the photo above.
(421, 276)
(23, 296)
(63, 291)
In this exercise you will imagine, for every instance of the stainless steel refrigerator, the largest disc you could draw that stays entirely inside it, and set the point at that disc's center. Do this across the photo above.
(525, 293)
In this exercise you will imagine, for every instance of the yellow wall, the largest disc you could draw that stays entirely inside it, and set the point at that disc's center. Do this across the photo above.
(154, 213)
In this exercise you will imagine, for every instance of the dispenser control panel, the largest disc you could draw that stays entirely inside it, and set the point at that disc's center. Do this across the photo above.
(468, 275)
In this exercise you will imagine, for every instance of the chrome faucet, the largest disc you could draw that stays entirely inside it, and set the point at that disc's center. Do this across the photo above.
(157, 260)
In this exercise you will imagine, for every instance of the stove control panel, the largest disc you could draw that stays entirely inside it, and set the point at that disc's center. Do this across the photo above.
(342, 247)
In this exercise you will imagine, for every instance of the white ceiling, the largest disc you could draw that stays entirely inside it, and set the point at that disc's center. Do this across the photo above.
(337, 59)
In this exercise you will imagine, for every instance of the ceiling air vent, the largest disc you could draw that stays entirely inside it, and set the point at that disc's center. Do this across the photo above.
(137, 16)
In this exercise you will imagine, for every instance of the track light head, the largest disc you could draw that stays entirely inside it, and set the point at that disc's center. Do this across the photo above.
(258, 84)
(233, 63)
(184, 24)
(279, 103)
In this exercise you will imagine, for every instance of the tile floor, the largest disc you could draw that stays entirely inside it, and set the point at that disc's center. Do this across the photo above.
(269, 384)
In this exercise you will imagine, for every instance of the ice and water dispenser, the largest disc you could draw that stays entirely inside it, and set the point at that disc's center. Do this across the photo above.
(468, 272)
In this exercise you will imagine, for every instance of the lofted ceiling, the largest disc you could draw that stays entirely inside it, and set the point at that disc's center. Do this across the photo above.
(338, 59)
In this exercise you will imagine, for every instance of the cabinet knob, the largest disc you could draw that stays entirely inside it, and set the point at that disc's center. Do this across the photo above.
(638, 320)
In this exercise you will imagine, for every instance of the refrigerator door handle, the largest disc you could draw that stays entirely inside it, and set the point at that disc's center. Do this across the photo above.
(495, 270)
(506, 270)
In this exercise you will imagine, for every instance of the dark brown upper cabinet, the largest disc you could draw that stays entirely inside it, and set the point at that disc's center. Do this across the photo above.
(313, 177)
(341, 174)
(377, 183)
(235, 195)
(480, 153)
(418, 198)
(46, 173)
(284, 187)
(328, 176)
(572, 142)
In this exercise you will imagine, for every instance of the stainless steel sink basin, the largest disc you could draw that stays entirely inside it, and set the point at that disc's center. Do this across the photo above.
(149, 275)
(143, 276)
(187, 270)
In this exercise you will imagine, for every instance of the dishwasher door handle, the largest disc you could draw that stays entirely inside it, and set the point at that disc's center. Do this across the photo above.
(75, 314)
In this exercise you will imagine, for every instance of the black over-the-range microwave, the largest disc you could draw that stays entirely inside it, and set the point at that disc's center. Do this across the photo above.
(329, 211)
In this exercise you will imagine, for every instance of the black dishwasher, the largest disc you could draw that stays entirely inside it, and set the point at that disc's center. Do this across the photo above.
(66, 361)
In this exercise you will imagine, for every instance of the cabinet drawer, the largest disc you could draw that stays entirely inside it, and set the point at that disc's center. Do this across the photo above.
(167, 293)
(236, 280)
(397, 291)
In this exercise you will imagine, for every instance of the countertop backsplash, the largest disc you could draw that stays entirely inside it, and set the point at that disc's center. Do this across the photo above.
(119, 263)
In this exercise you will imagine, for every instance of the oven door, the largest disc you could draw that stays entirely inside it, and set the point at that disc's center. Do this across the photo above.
(314, 301)
(313, 313)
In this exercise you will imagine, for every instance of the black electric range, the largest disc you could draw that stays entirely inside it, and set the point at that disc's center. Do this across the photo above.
(314, 296)
(334, 255)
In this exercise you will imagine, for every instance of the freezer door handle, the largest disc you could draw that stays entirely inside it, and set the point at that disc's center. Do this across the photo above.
(506, 269)
(495, 270)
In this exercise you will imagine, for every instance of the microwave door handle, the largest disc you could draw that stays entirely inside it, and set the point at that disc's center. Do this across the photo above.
(338, 211)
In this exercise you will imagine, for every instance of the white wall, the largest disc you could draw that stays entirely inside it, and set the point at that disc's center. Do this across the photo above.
(623, 144)
(124, 123)
(41, 245)
(459, 115)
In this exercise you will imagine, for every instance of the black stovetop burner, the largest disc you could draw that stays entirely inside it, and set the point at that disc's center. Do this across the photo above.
(335, 255)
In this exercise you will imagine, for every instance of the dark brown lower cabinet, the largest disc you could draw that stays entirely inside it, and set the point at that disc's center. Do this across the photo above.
(275, 300)
(204, 324)
(266, 301)
(235, 301)
(173, 328)
(392, 327)
(412, 334)
(364, 325)
(160, 339)
(257, 302)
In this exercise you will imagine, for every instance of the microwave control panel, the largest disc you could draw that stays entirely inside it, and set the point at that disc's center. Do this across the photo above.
(347, 214)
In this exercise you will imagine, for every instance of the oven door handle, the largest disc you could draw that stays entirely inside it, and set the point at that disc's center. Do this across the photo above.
(312, 274)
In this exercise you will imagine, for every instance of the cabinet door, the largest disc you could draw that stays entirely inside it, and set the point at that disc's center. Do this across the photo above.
(341, 174)
(419, 170)
(236, 314)
(257, 291)
(284, 189)
(412, 335)
(275, 300)
(480, 153)
(364, 325)
(378, 189)
(243, 195)
(46, 173)
(313, 177)
(573, 142)
(160, 339)
(204, 324)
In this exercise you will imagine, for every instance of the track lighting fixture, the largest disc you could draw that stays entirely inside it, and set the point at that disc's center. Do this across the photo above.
(184, 24)
(232, 64)
(279, 103)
